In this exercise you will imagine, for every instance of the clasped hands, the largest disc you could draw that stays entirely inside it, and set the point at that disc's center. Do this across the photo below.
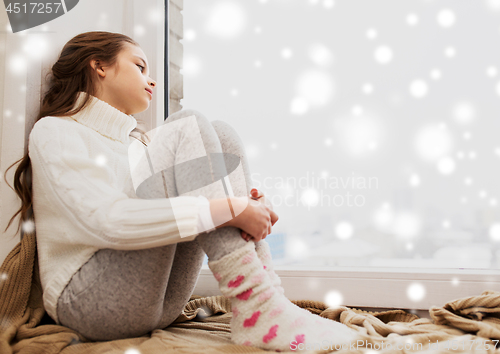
(273, 217)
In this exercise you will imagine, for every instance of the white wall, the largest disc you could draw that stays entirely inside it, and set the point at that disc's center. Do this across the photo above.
(21, 86)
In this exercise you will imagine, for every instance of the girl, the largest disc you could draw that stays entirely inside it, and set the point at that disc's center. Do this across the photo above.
(120, 246)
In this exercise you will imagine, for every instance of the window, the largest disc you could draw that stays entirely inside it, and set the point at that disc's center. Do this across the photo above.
(373, 132)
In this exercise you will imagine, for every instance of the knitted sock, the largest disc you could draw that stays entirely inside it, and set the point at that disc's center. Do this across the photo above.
(264, 253)
(264, 318)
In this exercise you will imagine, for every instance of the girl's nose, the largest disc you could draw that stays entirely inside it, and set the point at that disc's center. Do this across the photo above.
(152, 83)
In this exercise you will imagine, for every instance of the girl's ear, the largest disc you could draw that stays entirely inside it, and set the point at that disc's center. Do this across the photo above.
(95, 64)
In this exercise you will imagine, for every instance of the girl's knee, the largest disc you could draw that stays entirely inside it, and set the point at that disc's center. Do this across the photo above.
(225, 129)
(187, 113)
(229, 138)
(220, 125)
(203, 123)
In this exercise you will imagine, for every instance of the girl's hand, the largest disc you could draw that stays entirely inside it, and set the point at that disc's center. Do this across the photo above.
(258, 195)
(253, 217)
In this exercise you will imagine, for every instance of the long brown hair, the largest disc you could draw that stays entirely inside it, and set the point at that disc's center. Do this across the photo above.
(70, 74)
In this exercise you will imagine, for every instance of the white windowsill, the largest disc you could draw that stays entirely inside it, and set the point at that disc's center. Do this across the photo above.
(374, 287)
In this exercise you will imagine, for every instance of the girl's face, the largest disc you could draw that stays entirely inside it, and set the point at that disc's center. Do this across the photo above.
(126, 85)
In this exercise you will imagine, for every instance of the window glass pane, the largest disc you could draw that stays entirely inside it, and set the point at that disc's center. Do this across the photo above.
(373, 126)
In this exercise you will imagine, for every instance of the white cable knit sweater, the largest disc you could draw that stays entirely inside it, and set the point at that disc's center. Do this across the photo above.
(84, 200)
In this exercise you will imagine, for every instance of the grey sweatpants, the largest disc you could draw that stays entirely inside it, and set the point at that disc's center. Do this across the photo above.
(121, 294)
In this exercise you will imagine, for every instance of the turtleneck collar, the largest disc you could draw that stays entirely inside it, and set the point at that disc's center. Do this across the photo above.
(105, 119)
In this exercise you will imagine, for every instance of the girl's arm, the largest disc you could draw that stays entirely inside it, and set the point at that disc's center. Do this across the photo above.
(69, 184)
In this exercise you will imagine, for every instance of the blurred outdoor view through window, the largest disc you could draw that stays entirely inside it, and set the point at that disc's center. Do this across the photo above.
(372, 126)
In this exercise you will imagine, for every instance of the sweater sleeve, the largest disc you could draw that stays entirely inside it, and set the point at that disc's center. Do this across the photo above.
(83, 190)
(205, 221)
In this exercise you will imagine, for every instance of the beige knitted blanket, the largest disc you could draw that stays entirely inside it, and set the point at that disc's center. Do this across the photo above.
(467, 325)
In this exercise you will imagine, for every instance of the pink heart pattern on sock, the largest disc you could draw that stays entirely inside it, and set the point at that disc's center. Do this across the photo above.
(270, 334)
(279, 309)
(250, 322)
(235, 283)
(248, 258)
(258, 278)
(236, 312)
(298, 322)
(245, 295)
(266, 295)
(299, 338)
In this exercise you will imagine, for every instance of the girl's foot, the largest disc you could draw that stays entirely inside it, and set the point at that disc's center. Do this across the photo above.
(262, 316)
